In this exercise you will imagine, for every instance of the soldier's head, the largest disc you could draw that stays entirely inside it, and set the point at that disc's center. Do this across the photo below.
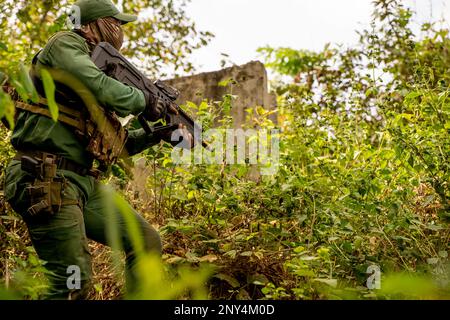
(100, 20)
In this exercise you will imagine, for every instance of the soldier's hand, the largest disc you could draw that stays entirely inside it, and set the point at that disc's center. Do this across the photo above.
(154, 109)
(187, 139)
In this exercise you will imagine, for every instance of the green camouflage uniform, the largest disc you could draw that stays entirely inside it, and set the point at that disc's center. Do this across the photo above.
(61, 239)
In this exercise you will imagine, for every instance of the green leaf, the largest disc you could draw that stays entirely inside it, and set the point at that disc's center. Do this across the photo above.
(98, 287)
(3, 103)
(371, 92)
(434, 227)
(246, 254)
(408, 285)
(3, 46)
(411, 160)
(231, 253)
(331, 282)
(304, 273)
(23, 94)
(7, 109)
(49, 88)
(229, 279)
(27, 84)
(413, 95)
(308, 258)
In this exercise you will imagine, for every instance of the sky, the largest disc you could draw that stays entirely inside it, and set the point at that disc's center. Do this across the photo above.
(242, 26)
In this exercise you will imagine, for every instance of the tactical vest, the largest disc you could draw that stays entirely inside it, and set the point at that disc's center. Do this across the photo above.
(99, 128)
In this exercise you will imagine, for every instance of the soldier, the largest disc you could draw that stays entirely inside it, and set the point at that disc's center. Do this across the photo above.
(50, 182)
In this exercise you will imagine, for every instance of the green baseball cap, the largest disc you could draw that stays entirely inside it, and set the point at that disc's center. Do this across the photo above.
(91, 10)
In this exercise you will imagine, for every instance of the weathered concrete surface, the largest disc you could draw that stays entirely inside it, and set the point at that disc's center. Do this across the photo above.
(250, 85)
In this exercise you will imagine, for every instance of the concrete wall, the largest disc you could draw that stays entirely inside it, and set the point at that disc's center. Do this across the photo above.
(250, 85)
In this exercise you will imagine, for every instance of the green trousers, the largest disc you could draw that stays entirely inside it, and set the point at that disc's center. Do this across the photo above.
(61, 239)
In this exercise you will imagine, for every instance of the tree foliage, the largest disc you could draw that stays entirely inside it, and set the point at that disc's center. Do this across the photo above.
(363, 177)
(163, 37)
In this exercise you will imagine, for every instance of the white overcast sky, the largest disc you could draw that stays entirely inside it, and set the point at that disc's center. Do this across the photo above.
(242, 26)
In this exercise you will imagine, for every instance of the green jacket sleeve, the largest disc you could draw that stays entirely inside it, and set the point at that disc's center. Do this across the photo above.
(68, 51)
(139, 140)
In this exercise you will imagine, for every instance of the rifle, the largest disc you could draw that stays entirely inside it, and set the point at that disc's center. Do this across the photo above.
(116, 66)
